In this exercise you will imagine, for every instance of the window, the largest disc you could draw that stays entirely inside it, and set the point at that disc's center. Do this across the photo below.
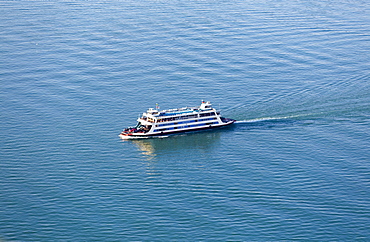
(206, 114)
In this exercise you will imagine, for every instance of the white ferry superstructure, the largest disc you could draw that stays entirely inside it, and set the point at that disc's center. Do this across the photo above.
(161, 123)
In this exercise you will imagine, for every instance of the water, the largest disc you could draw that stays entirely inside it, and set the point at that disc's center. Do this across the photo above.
(295, 74)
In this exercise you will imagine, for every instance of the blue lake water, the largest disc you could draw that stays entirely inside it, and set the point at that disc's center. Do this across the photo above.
(295, 74)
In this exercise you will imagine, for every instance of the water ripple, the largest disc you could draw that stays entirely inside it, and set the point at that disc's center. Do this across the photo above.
(294, 75)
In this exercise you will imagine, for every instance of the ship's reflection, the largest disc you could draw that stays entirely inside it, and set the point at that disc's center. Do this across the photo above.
(200, 141)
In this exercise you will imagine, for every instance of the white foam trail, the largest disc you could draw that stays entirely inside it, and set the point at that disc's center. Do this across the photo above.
(267, 119)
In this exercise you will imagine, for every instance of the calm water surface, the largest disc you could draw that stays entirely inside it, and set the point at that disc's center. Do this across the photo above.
(295, 74)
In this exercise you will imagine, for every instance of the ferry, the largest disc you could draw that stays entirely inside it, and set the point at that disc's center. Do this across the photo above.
(156, 123)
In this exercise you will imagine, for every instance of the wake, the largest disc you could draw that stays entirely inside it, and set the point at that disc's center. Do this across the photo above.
(268, 119)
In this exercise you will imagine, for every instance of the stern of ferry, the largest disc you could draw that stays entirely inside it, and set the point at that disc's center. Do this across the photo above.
(227, 121)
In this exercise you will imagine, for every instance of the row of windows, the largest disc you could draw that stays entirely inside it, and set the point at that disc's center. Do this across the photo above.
(186, 126)
(206, 114)
(177, 118)
(185, 117)
(186, 122)
(147, 119)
